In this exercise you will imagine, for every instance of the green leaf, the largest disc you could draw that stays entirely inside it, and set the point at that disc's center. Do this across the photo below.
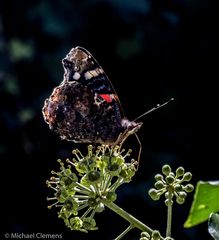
(213, 225)
(204, 203)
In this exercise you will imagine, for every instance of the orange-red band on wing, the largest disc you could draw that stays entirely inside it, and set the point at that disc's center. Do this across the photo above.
(107, 97)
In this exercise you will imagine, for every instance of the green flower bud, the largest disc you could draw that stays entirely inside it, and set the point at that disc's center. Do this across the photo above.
(180, 200)
(64, 215)
(156, 235)
(113, 167)
(64, 193)
(67, 171)
(111, 196)
(169, 179)
(100, 208)
(145, 234)
(158, 177)
(59, 196)
(117, 160)
(74, 177)
(89, 224)
(180, 171)
(144, 238)
(76, 223)
(81, 167)
(166, 169)
(167, 194)
(153, 193)
(188, 188)
(70, 180)
(127, 173)
(93, 176)
(178, 187)
(159, 185)
(187, 176)
(182, 194)
(168, 202)
(68, 204)
(71, 205)
(123, 173)
(105, 159)
(172, 174)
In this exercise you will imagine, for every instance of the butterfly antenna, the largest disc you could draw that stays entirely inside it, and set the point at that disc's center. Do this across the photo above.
(154, 108)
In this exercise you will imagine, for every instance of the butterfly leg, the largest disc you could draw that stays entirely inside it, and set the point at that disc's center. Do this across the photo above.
(139, 142)
(140, 149)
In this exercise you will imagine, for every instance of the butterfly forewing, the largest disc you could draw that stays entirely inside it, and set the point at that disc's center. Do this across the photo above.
(81, 66)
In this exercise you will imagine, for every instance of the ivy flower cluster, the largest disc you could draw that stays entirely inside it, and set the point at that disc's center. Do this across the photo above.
(99, 173)
(172, 184)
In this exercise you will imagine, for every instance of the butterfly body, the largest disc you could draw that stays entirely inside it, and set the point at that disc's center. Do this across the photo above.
(85, 108)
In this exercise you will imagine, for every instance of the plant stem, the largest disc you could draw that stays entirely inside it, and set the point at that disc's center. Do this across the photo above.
(128, 217)
(124, 232)
(169, 215)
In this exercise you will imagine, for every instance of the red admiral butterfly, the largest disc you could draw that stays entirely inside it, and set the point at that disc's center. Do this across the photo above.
(85, 108)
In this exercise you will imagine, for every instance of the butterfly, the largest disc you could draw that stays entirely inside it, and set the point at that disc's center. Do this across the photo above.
(85, 108)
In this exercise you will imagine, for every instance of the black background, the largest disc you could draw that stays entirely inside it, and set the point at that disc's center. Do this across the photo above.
(151, 50)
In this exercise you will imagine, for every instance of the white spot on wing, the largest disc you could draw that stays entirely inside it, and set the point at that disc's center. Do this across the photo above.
(93, 73)
(100, 70)
(76, 76)
(88, 75)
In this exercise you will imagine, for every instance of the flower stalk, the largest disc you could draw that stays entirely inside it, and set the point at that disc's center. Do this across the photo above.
(169, 214)
(134, 222)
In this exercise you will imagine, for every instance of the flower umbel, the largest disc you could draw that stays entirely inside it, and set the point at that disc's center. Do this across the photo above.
(100, 173)
(172, 184)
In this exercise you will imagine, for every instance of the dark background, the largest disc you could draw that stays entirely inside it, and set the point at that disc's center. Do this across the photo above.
(152, 50)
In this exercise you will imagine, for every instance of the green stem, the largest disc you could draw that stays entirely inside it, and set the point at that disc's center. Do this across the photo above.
(124, 232)
(128, 217)
(116, 184)
(107, 182)
(81, 186)
(86, 213)
(169, 215)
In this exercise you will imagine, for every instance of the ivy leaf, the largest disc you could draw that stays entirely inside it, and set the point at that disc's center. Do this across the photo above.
(213, 225)
(204, 203)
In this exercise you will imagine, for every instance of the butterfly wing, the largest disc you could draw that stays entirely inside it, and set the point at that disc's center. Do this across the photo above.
(81, 66)
(106, 113)
(85, 107)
